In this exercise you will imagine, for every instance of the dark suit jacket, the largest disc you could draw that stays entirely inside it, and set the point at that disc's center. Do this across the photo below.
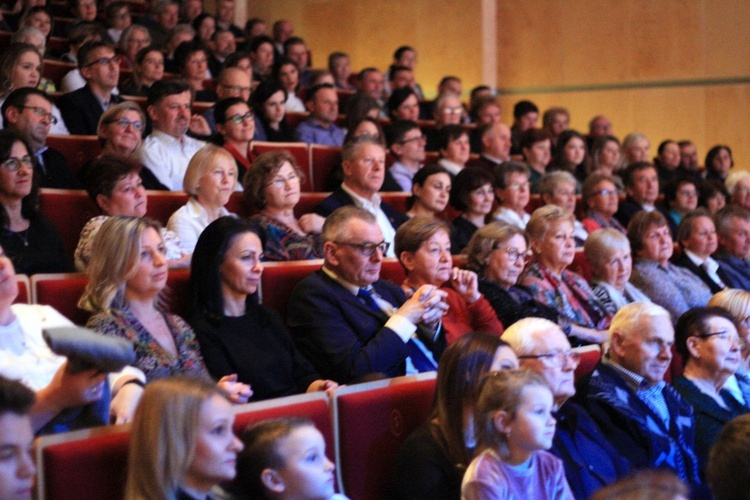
(736, 269)
(487, 164)
(684, 261)
(339, 198)
(628, 208)
(341, 336)
(81, 110)
(55, 172)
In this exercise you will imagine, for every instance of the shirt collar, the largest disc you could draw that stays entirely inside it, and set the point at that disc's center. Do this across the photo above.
(353, 289)
(634, 381)
(361, 202)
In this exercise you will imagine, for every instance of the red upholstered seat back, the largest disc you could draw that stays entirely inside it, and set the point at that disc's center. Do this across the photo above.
(371, 425)
(162, 204)
(279, 279)
(324, 159)
(396, 200)
(392, 270)
(299, 150)
(589, 359)
(62, 292)
(24, 290)
(580, 265)
(307, 202)
(56, 70)
(69, 211)
(177, 294)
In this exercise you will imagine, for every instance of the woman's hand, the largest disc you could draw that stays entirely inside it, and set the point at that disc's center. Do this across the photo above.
(323, 385)
(466, 283)
(199, 125)
(237, 392)
(123, 405)
(311, 223)
(427, 305)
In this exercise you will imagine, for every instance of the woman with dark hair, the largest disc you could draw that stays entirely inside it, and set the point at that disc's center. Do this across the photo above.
(204, 26)
(236, 333)
(365, 126)
(269, 104)
(403, 105)
(191, 59)
(718, 162)
(472, 194)
(358, 107)
(667, 162)
(430, 192)
(30, 240)
(601, 201)
(39, 17)
(235, 123)
(148, 68)
(272, 186)
(606, 157)
(712, 195)
(433, 459)
(571, 156)
(286, 73)
(536, 147)
(454, 147)
(680, 198)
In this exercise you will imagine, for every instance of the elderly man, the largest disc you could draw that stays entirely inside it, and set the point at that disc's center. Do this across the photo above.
(642, 188)
(643, 417)
(370, 81)
(225, 18)
(350, 323)
(496, 142)
(282, 31)
(82, 108)
(733, 230)
(166, 15)
(222, 44)
(364, 173)
(168, 150)
(16, 439)
(590, 460)
(697, 237)
(323, 104)
(407, 144)
(29, 112)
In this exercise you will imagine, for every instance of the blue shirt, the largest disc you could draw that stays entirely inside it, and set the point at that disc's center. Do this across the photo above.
(312, 132)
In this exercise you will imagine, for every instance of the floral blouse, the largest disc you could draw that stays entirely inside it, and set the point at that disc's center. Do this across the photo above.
(151, 357)
(281, 243)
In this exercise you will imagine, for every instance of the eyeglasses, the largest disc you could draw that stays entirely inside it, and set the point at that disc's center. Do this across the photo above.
(280, 182)
(13, 164)
(419, 138)
(367, 249)
(688, 192)
(238, 119)
(39, 111)
(124, 123)
(104, 61)
(606, 192)
(457, 110)
(514, 254)
(556, 359)
(236, 88)
(723, 335)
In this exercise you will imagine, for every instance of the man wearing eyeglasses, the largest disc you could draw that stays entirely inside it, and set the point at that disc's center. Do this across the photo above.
(350, 323)
(29, 112)
(643, 417)
(81, 109)
(591, 462)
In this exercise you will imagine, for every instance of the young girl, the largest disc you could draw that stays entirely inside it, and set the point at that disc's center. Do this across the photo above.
(515, 424)
(285, 458)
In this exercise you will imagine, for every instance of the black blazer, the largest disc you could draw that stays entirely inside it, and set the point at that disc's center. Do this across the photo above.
(342, 337)
(81, 110)
(339, 198)
(685, 262)
(55, 172)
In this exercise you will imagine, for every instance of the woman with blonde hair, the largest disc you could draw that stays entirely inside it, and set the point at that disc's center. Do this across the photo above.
(210, 179)
(182, 442)
(120, 129)
(127, 274)
(737, 302)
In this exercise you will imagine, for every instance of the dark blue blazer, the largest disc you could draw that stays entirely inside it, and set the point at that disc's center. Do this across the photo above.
(628, 208)
(341, 336)
(339, 198)
(81, 110)
(736, 270)
(684, 261)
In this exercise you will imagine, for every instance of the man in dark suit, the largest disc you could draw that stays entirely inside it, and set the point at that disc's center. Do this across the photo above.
(348, 322)
(28, 111)
(364, 171)
(733, 230)
(81, 109)
(642, 187)
(495, 140)
(697, 237)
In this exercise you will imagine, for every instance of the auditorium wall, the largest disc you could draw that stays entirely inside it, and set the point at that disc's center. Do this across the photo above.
(667, 68)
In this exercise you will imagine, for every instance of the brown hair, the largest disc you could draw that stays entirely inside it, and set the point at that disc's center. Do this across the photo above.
(265, 166)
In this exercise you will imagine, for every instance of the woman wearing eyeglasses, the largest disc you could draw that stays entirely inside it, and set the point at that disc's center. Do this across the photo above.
(707, 340)
(601, 199)
(30, 241)
(236, 333)
(235, 123)
(272, 186)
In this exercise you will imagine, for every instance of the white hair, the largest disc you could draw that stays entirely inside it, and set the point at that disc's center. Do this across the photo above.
(523, 335)
(628, 319)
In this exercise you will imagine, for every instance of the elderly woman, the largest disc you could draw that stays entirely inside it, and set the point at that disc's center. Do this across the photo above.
(512, 191)
(713, 196)
(536, 146)
(235, 123)
(737, 302)
(559, 188)
(272, 186)
(191, 59)
(448, 111)
(707, 340)
(738, 187)
(472, 195)
(133, 39)
(430, 192)
(670, 286)
(570, 156)
(148, 68)
(423, 247)
(606, 158)
(30, 240)
(718, 163)
(552, 239)
(115, 186)
(635, 148)
(680, 198)
(210, 179)
(127, 274)
(433, 459)
(453, 144)
(269, 104)
(286, 73)
(601, 201)
(403, 104)
(608, 253)
(236, 333)
(697, 237)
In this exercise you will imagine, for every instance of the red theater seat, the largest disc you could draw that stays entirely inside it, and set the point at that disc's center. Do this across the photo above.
(299, 150)
(371, 422)
(580, 265)
(62, 292)
(162, 204)
(308, 202)
(392, 270)
(294, 119)
(397, 200)
(590, 356)
(24, 289)
(56, 45)
(77, 149)
(177, 294)
(324, 160)
(279, 279)
(68, 210)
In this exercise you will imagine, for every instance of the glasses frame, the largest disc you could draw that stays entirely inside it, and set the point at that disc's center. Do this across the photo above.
(367, 249)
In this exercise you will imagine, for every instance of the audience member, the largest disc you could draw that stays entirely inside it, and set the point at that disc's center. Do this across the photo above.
(269, 104)
(191, 60)
(16, 440)
(236, 333)
(236, 126)
(599, 126)
(221, 45)
(261, 57)
(697, 237)
(496, 144)
(134, 39)
(147, 70)
(454, 148)
(512, 193)
(358, 107)
(559, 188)
(168, 150)
(718, 163)
(737, 302)
(713, 196)
(535, 146)
(674, 288)
(190, 9)
(733, 231)
(340, 67)
(350, 323)
(590, 461)
(403, 104)
(472, 194)
(680, 198)
(116, 18)
(407, 145)
(231, 82)
(210, 179)
(295, 49)
(370, 81)
(166, 15)
(667, 162)
(688, 157)
(180, 34)
(571, 156)
(484, 111)
(555, 121)
(323, 104)
(287, 74)
(404, 57)
(642, 188)
(525, 117)
(654, 484)
(364, 170)
(225, 18)
(424, 249)
(601, 201)
(255, 27)
(272, 186)
(448, 111)
(400, 77)
(643, 417)
(635, 148)
(606, 157)
(432, 460)
(738, 187)
(728, 469)
(430, 192)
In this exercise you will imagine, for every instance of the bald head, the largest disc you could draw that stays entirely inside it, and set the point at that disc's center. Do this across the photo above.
(233, 82)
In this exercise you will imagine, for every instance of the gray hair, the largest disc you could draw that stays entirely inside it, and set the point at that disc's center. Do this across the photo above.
(600, 246)
(523, 335)
(628, 319)
(733, 179)
(336, 227)
(552, 181)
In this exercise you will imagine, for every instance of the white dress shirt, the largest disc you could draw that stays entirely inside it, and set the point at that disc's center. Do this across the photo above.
(167, 157)
(389, 233)
(189, 221)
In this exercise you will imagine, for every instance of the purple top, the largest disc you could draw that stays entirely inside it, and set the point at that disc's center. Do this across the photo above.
(489, 478)
(312, 132)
